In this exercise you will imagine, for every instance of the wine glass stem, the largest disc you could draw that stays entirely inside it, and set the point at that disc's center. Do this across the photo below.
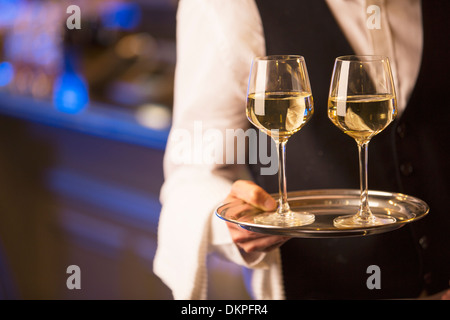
(283, 205)
(364, 211)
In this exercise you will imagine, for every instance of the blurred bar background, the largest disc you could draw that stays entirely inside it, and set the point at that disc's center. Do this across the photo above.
(84, 118)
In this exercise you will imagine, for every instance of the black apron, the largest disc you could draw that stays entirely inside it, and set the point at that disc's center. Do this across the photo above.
(409, 156)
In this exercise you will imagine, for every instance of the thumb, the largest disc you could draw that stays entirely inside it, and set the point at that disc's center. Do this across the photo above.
(253, 194)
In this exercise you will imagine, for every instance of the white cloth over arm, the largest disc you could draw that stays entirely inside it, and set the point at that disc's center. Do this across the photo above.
(216, 41)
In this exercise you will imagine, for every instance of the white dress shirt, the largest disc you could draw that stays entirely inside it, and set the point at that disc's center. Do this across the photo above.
(216, 42)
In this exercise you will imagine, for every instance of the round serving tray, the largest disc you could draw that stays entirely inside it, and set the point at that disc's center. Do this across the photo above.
(326, 205)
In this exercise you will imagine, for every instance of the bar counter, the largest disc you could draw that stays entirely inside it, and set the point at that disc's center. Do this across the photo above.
(78, 189)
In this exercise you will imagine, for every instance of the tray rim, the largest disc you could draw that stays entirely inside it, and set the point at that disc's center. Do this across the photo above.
(300, 231)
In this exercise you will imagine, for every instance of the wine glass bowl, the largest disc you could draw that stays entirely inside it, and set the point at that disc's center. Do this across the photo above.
(280, 103)
(362, 103)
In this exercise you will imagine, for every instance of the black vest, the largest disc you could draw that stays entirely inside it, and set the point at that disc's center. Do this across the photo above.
(409, 156)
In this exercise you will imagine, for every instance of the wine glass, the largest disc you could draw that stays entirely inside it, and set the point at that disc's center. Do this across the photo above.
(362, 103)
(279, 103)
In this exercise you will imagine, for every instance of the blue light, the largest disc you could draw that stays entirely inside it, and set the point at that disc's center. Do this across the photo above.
(6, 73)
(9, 9)
(119, 15)
(70, 93)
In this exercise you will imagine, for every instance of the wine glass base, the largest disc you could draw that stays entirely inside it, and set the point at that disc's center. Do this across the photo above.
(290, 219)
(352, 221)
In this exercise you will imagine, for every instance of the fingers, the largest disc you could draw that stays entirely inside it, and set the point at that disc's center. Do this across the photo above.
(253, 194)
(249, 241)
(446, 295)
(240, 235)
(253, 241)
(262, 244)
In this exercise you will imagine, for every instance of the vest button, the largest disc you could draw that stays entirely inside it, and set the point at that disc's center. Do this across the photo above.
(406, 168)
(401, 130)
(423, 241)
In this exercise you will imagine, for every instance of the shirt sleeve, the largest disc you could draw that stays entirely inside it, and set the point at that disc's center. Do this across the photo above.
(216, 41)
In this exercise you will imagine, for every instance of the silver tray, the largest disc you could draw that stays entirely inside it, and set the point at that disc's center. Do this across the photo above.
(326, 205)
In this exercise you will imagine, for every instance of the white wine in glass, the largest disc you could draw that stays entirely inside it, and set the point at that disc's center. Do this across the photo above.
(362, 103)
(364, 116)
(284, 113)
(280, 103)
